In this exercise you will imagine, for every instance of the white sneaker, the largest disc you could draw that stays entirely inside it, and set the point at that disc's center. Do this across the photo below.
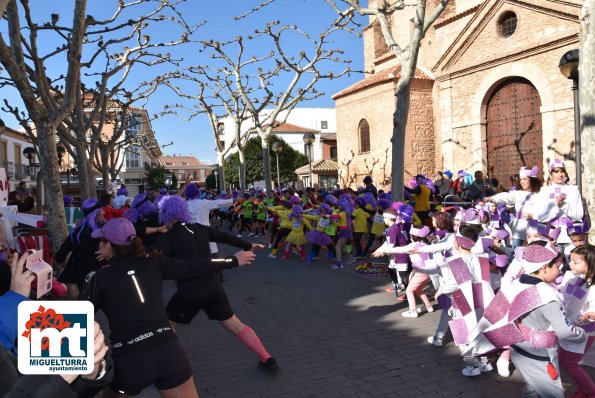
(502, 364)
(435, 341)
(485, 367)
(250, 234)
(239, 236)
(270, 246)
(471, 371)
(409, 314)
(430, 309)
(272, 255)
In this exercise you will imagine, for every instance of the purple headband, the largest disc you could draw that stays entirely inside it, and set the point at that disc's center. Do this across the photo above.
(464, 242)
(557, 163)
(524, 172)
(420, 232)
(499, 260)
(580, 228)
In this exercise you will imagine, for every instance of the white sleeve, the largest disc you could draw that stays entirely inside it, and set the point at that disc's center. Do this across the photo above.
(573, 204)
(437, 247)
(400, 249)
(590, 304)
(219, 203)
(507, 198)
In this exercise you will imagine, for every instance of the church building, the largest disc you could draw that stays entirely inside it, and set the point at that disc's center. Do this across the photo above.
(487, 94)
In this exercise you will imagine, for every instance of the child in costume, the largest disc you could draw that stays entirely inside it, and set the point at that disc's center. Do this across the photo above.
(360, 224)
(345, 227)
(331, 230)
(296, 236)
(579, 298)
(378, 226)
(285, 224)
(261, 215)
(395, 236)
(422, 265)
(318, 236)
(247, 216)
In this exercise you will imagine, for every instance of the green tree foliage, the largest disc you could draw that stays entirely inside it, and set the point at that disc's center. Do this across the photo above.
(156, 177)
(289, 161)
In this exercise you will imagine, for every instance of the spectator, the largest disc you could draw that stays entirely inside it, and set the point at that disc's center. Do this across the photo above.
(442, 183)
(370, 187)
(22, 190)
(23, 206)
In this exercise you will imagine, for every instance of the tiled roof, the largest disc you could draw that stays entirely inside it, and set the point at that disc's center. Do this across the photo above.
(384, 76)
(291, 128)
(319, 166)
(178, 161)
(455, 17)
(328, 136)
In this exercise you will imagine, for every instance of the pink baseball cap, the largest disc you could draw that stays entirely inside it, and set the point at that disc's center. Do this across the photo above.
(118, 231)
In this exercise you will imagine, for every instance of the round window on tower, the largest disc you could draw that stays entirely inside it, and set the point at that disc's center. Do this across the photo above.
(507, 24)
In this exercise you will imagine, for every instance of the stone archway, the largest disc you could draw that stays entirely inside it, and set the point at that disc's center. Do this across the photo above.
(513, 128)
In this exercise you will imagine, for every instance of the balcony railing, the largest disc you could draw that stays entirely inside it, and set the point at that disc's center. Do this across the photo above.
(17, 171)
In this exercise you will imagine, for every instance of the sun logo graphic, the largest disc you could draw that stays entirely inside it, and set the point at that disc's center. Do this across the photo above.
(55, 337)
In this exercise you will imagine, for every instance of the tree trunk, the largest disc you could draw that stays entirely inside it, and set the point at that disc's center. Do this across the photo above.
(56, 216)
(587, 102)
(86, 189)
(266, 159)
(399, 129)
(221, 163)
(242, 181)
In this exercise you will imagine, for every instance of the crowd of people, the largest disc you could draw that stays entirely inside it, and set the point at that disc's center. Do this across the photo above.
(511, 271)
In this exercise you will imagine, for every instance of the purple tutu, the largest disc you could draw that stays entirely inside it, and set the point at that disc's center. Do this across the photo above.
(345, 233)
(318, 238)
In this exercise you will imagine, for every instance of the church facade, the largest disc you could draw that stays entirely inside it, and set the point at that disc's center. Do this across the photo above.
(487, 95)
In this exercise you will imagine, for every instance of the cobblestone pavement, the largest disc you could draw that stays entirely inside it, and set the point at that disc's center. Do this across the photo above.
(334, 333)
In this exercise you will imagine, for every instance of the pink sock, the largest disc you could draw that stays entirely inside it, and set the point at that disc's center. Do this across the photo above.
(249, 338)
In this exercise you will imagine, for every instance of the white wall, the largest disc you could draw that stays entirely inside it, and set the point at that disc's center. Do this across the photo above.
(311, 118)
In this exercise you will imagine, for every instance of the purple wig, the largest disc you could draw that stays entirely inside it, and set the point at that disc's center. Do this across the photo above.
(324, 207)
(67, 201)
(89, 205)
(296, 212)
(382, 204)
(122, 191)
(361, 201)
(330, 200)
(295, 200)
(141, 207)
(173, 208)
(370, 199)
(192, 191)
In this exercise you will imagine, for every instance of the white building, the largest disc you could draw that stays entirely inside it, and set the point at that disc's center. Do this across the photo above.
(12, 158)
(318, 120)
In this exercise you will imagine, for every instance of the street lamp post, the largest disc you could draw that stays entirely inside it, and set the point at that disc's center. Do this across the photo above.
(29, 153)
(277, 148)
(216, 171)
(309, 139)
(569, 68)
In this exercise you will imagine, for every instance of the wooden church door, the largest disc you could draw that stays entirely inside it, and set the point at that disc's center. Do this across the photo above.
(513, 126)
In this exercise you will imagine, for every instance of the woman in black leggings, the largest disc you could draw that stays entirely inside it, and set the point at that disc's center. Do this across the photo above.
(129, 291)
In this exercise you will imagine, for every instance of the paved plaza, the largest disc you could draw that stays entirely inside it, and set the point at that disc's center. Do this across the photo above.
(334, 333)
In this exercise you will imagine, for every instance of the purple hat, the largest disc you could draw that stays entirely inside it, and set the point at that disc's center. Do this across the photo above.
(420, 232)
(122, 191)
(471, 216)
(461, 173)
(447, 173)
(191, 191)
(118, 231)
(580, 228)
(295, 200)
(524, 172)
(536, 256)
(499, 234)
(557, 163)
(499, 260)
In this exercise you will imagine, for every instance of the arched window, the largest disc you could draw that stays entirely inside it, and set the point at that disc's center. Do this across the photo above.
(364, 136)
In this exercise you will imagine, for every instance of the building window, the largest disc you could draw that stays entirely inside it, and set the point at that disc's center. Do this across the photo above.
(333, 152)
(507, 24)
(133, 156)
(327, 182)
(324, 124)
(364, 136)
(133, 124)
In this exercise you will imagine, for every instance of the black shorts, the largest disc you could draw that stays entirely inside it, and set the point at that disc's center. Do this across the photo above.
(186, 303)
(164, 365)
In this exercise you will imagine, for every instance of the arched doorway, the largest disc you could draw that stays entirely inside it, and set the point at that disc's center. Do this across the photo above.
(513, 129)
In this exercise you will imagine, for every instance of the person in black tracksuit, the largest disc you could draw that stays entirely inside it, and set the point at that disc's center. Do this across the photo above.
(145, 349)
(187, 241)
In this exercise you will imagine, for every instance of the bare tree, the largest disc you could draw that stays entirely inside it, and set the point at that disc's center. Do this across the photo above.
(267, 105)
(407, 56)
(25, 67)
(587, 101)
